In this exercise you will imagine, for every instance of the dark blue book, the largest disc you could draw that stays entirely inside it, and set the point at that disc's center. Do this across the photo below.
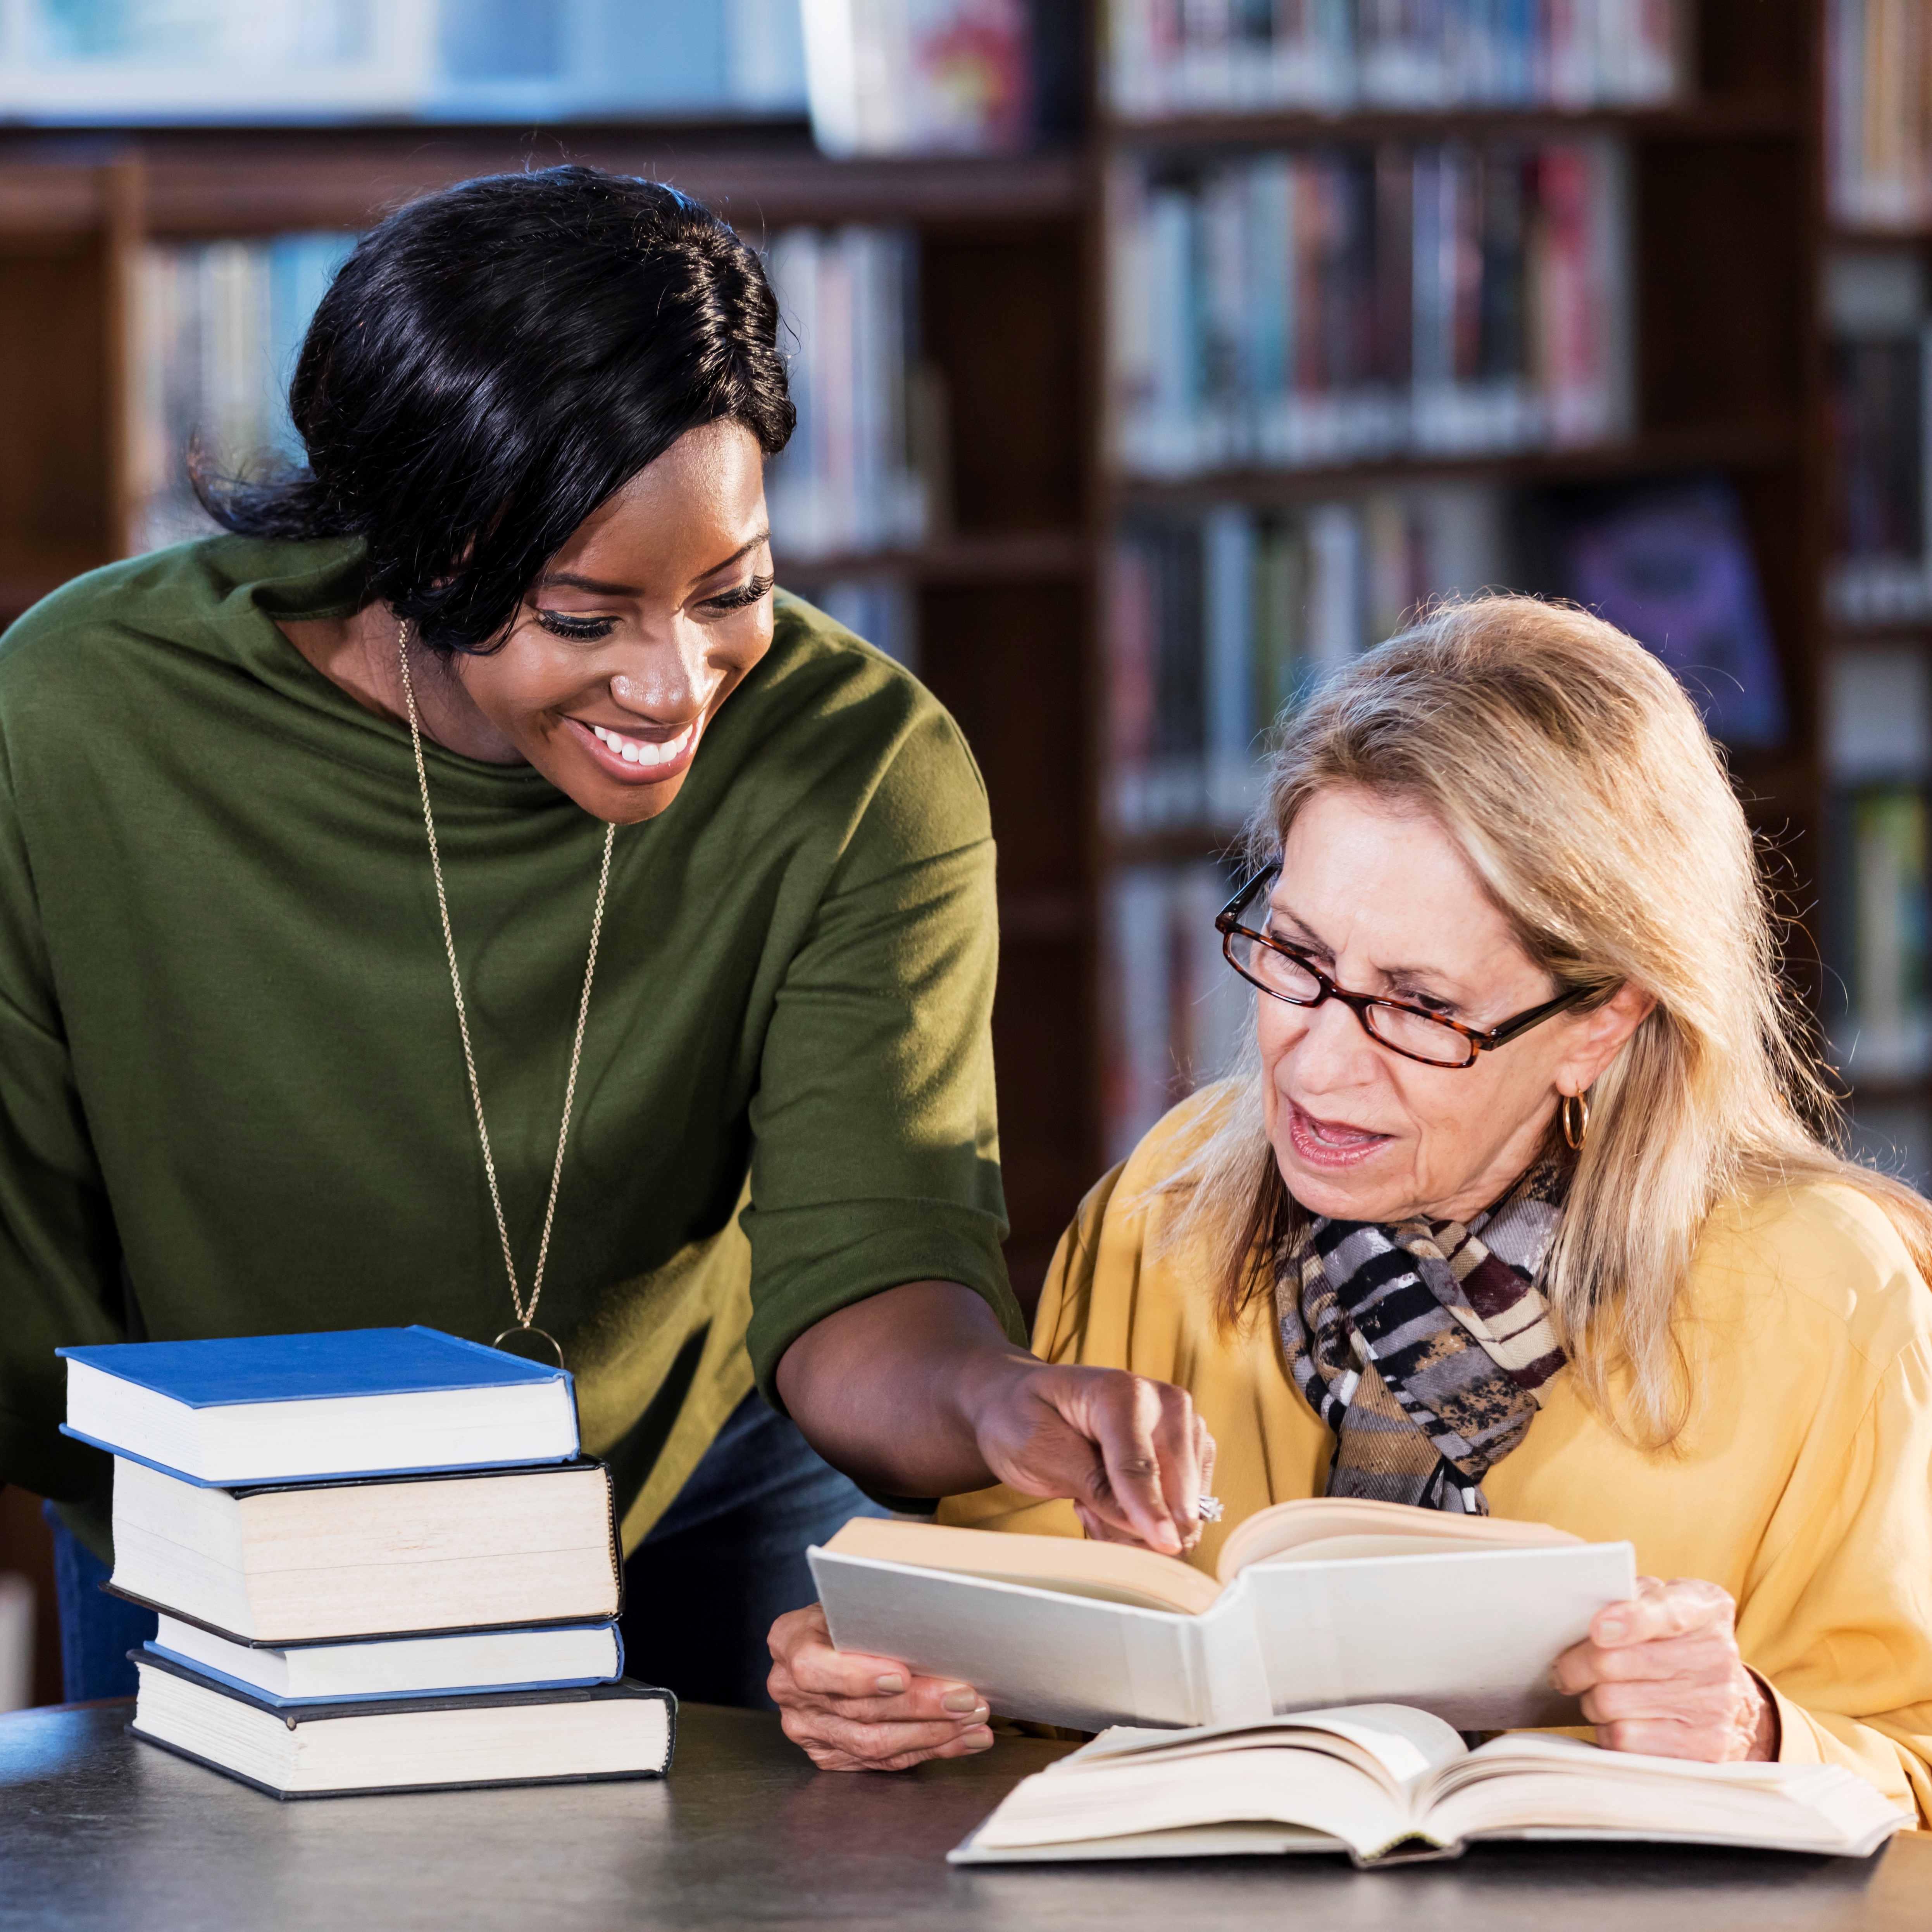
(620, 1729)
(354, 1403)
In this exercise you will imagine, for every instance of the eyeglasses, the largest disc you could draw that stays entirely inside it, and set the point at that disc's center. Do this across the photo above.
(1284, 974)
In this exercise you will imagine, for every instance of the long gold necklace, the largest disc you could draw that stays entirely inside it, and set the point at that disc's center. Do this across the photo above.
(525, 1316)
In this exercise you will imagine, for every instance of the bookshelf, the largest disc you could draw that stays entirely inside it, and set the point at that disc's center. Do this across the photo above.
(1729, 238)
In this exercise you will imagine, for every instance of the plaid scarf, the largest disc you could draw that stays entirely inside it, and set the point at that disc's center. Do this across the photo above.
(1423, 1346)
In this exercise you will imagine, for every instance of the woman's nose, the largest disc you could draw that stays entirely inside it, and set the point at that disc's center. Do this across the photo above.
(670, 690)
(1329, 1049)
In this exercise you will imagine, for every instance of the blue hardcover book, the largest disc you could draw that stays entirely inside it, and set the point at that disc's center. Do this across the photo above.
(361, 1402)
(464, 1663)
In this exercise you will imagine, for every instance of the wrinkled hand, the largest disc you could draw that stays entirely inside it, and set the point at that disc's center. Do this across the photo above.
(1661, 1674)
(853, 1713)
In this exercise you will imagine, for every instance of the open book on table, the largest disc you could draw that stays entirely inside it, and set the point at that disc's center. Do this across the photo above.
(1381, 1782)
(1315, 1604)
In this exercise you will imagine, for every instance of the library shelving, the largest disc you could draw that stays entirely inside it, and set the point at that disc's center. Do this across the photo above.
(1726, 189)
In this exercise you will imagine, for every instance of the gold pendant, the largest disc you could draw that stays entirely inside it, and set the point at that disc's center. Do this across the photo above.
(526, 1328)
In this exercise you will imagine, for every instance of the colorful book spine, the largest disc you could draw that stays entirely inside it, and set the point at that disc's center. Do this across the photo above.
(1218, 625)
(1880, 374)
(848, 483)
(1879, 112)
(1169, 58)
(1326, 305)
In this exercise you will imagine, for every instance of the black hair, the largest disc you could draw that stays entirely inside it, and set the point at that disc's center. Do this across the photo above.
(491, 364)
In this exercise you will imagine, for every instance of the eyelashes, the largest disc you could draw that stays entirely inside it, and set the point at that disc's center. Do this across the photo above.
(743, 597)
(588, 630)
(578, 630)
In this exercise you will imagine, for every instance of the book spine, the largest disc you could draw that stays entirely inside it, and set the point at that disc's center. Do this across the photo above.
(847, 484)
(1166, 58)
(1318, 306)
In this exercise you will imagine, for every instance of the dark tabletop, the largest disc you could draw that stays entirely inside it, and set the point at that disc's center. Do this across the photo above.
(98, 1830)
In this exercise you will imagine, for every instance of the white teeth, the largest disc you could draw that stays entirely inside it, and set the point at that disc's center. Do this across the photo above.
(641, 751)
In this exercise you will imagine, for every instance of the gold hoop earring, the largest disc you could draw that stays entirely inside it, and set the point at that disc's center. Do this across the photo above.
(1575, 1135)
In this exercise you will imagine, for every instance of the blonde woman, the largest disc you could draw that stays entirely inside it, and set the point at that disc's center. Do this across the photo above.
(1522, 1206)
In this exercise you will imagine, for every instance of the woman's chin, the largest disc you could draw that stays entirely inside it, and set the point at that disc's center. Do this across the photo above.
(1357, 1193)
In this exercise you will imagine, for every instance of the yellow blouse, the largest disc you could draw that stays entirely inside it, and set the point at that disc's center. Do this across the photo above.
(1804, 1486)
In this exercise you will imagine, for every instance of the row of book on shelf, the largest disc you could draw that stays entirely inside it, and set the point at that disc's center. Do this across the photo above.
(1327, 304)
(472, 60)
(217, 327)
(1220, 622)
(1177, 58)
(876, 76)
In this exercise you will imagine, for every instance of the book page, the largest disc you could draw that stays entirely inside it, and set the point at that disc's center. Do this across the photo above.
(1469, 1634)
(1113, 1572)
(1287, 1528)
(1556, 1787)
(1406, 1749)
(1279, 1783)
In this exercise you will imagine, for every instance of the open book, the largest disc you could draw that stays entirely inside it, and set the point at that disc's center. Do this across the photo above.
(1381, 1782)
(1319, 1603)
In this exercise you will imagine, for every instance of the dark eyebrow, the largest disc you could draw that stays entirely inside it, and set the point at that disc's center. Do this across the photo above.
(744, 550)
(568, 580)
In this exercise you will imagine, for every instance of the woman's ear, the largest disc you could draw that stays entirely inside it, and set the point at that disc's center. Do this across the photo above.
(1599, 1036)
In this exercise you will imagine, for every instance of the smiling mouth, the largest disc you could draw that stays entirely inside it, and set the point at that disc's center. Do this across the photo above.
(646, 751)
(632, 758)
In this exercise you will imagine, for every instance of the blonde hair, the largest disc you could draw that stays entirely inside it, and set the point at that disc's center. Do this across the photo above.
(1581, 788)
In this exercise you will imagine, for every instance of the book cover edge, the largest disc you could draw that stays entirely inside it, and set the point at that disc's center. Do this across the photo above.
(539, 1375)
(618, 1690)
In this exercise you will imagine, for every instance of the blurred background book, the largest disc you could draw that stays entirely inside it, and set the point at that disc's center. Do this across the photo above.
(1153, 359)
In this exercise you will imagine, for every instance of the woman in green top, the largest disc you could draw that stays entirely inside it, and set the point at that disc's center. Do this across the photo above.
(516, 614)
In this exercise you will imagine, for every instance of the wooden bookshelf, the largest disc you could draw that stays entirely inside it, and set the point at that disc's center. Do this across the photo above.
(1730, 234)
(1729, 237)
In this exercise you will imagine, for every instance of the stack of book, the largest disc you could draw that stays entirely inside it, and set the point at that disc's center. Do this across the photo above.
(379, 1561)
(1332, 304)
(1327, 56)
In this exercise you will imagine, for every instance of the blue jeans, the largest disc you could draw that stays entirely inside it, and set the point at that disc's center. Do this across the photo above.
(700, 1591)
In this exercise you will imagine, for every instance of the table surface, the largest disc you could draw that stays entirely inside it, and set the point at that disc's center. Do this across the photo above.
(97, 1829)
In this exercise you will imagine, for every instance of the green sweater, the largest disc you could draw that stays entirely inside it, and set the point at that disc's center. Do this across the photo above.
(232, 1092)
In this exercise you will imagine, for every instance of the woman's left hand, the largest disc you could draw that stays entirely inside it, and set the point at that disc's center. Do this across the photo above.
(1661, 1674)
